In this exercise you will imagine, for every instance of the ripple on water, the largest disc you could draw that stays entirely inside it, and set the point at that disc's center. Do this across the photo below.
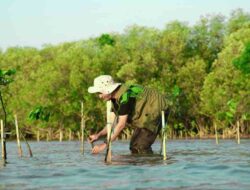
(191, 164)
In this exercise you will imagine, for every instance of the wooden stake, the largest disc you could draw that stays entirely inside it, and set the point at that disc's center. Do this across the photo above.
(27, 144)
(82, 129)
(38, 136)
(70, 135)
(60, 135)
(20, 151)
(216, 134)
(3, 143)
(108, 157)
(164, 149)
(238, 132)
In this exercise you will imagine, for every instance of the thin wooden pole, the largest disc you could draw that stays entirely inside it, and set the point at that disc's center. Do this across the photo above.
(3, 143)
(70, 134)
(60, 135)
(238, 132)
(38, 136)
(27, 144)
(108, 157)
(82, 129)
(216, 134)
(20, 151)
(164, 148)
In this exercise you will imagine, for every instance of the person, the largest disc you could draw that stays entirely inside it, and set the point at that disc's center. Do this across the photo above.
(136, 105)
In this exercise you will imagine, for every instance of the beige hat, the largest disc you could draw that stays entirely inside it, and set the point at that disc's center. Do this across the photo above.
(103, 84)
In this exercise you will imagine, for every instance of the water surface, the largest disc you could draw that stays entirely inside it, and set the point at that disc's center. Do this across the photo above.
(191, 164)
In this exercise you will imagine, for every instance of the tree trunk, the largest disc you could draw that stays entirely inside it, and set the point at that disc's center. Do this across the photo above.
(79, 135)
(4, 152)
(181, 134)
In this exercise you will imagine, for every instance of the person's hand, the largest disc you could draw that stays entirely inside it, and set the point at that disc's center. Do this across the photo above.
(99, 148)
(93, 138)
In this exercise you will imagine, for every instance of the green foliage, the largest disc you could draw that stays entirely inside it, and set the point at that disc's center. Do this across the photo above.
(106, 39)
(176, 91)
(243, 62)
(40, 113)
(133, 91)
(5, 76)
(192, 65)
(5, 80)
(238, 19)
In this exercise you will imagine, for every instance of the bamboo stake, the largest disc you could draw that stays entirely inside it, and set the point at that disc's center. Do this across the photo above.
(238, 132)
(164, 148)
(20, 151)
(3, 143)
(216, 134)
(27, 144)
(82, 129)
(38, 136)
(108, 157)
(70, 135)
(60, 135)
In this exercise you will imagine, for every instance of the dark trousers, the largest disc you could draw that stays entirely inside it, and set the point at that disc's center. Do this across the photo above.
(141, 141)
(142, 138)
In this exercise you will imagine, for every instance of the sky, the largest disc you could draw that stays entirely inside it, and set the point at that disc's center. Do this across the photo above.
(35, 23)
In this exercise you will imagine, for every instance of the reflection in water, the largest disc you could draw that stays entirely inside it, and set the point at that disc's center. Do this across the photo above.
(191, 164)
(137, 160)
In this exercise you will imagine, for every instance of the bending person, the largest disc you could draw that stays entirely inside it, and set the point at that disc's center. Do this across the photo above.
(135, 105)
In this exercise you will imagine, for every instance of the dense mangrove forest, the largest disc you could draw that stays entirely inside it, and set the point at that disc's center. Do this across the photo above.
(203, 70)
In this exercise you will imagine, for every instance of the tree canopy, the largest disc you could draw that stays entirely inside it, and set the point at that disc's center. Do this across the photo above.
(205, 67)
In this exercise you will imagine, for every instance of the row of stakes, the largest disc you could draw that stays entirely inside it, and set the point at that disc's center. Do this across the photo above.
(110, 125)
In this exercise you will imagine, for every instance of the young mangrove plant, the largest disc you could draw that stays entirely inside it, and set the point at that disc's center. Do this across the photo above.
(5, 79)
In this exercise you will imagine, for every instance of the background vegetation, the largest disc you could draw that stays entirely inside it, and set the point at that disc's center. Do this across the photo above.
(205, 68)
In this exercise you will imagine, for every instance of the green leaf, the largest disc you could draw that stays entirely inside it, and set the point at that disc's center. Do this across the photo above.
(176, 91)
(229, 114)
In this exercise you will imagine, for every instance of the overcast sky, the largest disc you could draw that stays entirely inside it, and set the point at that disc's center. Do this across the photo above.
(37, 22)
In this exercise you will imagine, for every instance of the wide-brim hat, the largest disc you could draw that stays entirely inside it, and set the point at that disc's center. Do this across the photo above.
(103, 84)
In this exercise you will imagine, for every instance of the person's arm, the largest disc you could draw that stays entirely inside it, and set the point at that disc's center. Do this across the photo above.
(103, 132)
(118, 128)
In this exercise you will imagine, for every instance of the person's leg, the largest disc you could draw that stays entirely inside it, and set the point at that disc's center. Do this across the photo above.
(141, 141)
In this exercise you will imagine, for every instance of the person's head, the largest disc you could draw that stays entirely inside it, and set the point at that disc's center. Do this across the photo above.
(104, 85)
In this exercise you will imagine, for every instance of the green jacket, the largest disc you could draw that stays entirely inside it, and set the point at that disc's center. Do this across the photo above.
(148, 105)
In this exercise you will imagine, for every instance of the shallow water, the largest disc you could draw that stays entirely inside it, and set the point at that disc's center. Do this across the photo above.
(191, 164)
